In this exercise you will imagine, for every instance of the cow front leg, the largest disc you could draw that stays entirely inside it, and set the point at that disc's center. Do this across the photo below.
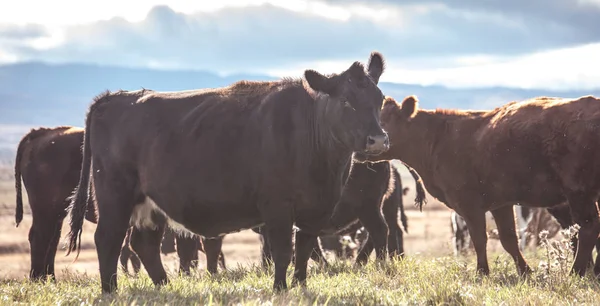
(585, 213)
(505, 221)
(305, 245)
(279, 232)
(475, 220)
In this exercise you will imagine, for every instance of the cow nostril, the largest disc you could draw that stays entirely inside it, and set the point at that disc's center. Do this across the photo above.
(370, 141)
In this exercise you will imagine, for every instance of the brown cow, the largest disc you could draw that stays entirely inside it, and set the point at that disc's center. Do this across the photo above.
(215, 161)
(48, 160)
(543, 150)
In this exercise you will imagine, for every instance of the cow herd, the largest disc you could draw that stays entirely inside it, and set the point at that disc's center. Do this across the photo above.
(299, 161)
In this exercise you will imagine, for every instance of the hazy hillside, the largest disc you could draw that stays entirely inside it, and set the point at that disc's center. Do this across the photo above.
(37, 94)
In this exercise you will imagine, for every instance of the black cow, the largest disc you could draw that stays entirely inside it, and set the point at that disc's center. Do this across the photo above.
(215, 161)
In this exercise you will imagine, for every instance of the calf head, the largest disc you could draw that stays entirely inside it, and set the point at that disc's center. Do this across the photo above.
(350, 103)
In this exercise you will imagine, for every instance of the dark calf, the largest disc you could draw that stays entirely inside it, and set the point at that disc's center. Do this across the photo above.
(372, 199)
(187, 250)
(188, 247)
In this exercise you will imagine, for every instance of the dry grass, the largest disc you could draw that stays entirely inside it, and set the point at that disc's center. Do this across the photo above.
(429, 233)
(430, 275)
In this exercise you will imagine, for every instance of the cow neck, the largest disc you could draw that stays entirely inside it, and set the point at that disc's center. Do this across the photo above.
(325, 143)
(329, 155)
(426, 130)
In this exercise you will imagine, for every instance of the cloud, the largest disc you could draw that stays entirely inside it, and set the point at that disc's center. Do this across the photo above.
(561, 69)
(269, 37)
(456, 43)
(578, 18)
(27, 31)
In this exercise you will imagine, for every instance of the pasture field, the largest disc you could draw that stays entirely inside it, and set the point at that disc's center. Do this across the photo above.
(429, 275)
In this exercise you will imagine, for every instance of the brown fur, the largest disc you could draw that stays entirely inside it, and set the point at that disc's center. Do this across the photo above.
(539, 152)
(220, 160)
(48, 161)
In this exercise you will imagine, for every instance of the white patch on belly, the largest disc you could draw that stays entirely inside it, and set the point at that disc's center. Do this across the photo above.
(141, 218)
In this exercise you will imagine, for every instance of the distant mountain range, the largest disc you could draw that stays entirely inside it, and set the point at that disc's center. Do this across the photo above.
(38, 94)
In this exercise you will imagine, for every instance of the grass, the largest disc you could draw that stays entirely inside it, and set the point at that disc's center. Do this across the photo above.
(427, 276)
(414, 280)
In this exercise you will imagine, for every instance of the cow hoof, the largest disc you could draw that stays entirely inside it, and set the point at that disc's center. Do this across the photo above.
(279, 287)
(298, 283)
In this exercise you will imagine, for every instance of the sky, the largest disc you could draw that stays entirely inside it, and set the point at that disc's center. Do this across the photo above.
(543, 44)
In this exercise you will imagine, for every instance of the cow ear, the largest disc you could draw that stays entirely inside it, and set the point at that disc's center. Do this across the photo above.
(410, 106)
(376, 66)
(390, 103)
(319, 82)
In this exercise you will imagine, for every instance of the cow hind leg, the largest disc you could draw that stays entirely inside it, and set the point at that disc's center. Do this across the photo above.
(44, 236)
(127, 255)
(222, 260)
(597, 265)
(365, 251)
(375, 224)
(585, 213)
(317, 254)
(392, 239)
(505, 221)
(125, 252)
(115, 205)
(135, 263)
(399, 241)
(187, 250)
(145, 243)
(213, 247)
(52, 247)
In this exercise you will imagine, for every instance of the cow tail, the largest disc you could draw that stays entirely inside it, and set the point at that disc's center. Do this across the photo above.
(420, 197)
(81, 195)
(398, 193)
(18, 187)
(403, 218)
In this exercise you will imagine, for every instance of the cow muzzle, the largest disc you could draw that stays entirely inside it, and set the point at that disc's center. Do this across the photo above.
(377, 144)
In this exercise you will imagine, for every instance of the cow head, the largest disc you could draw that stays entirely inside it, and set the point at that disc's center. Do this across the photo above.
(395, 120)
(350, 103)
